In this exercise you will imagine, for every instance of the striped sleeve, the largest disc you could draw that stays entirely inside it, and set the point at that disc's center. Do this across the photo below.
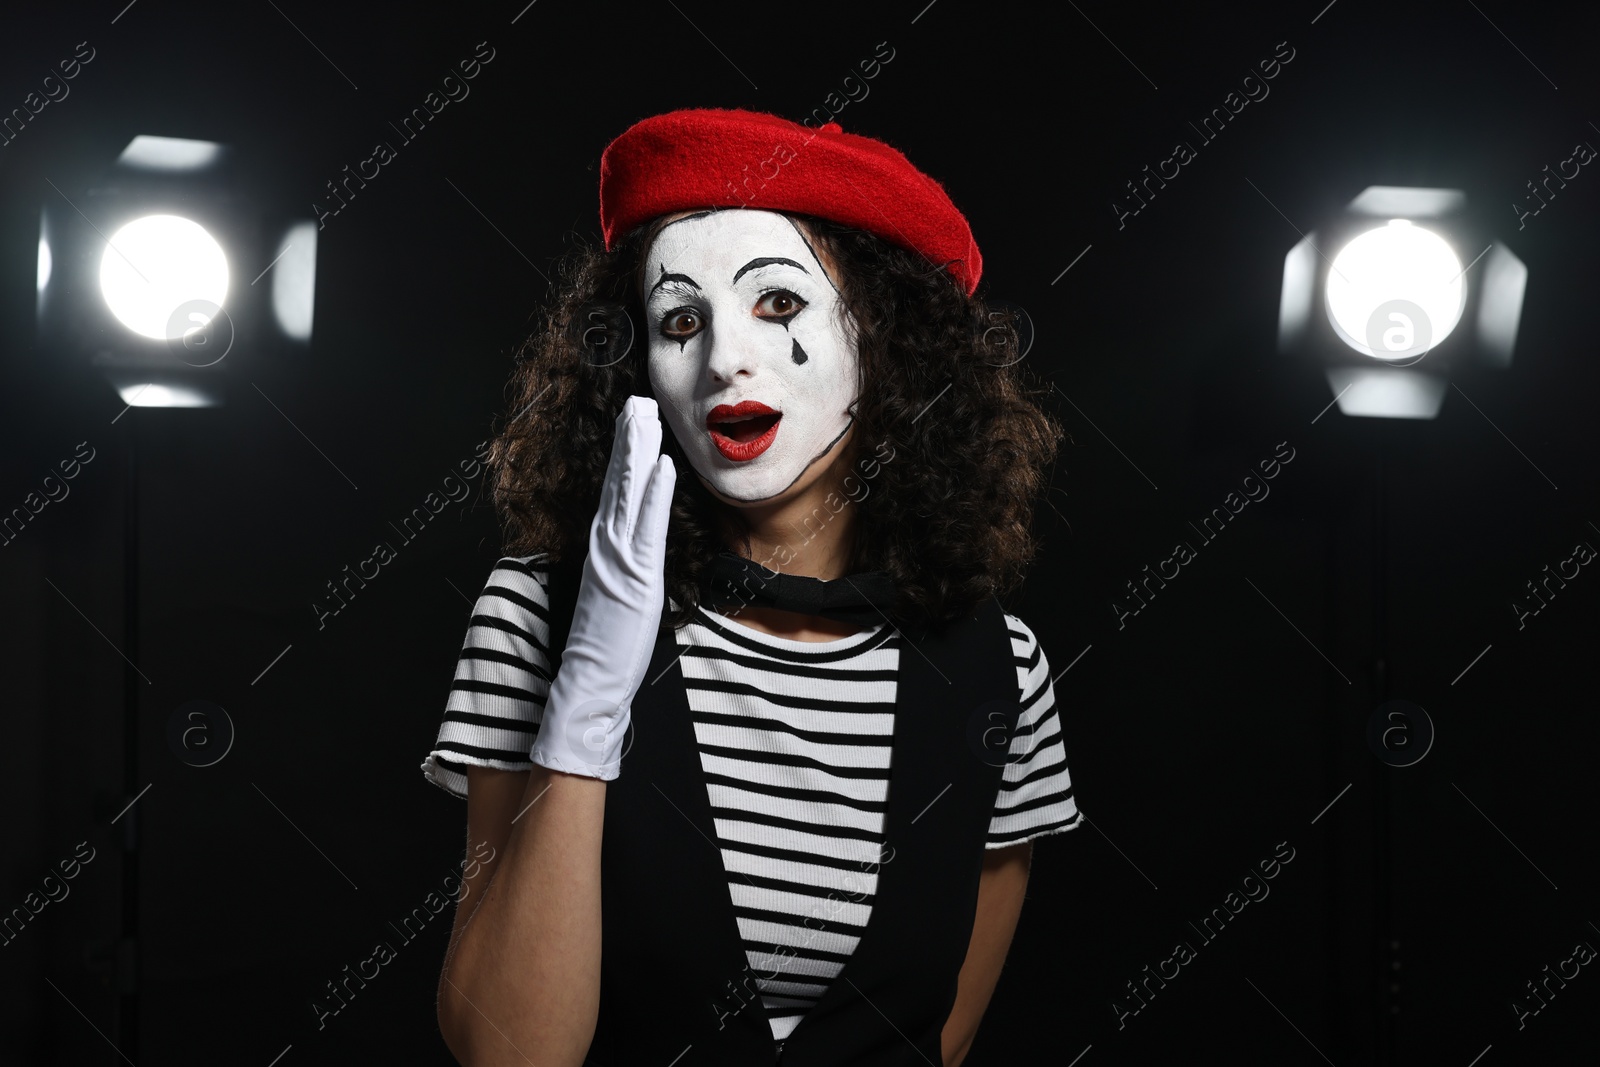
(502, 678)
(1035, 796)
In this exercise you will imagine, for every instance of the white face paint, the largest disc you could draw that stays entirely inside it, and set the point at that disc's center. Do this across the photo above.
(739, 309)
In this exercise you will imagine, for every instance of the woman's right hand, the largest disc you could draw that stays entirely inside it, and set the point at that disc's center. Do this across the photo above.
(618, 610)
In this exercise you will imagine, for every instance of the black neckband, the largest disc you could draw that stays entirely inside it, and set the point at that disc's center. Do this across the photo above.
(864, 599)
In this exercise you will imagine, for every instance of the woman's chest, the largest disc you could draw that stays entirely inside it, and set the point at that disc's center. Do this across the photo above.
(796, 766)
(745, 785)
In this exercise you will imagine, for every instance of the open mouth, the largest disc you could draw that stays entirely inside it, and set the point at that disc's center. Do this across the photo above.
(746, 429)
(743, 431)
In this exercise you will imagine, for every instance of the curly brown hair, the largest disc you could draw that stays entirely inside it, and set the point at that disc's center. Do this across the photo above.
(948, 516)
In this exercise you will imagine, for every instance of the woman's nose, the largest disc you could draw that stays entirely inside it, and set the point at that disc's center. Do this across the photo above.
(730, 354)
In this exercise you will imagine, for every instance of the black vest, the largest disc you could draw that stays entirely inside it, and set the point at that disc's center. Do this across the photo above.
(675, 982)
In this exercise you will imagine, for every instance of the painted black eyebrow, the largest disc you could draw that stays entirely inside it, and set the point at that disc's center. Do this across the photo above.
(665, 277)
(766, 261)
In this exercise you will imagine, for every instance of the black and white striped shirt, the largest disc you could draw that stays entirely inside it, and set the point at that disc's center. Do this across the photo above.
(794, 740)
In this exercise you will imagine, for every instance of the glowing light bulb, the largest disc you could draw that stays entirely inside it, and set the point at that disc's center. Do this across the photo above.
(156, 264)
(1395, 292)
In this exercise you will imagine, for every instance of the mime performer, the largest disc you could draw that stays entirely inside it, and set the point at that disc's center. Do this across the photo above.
(755, 752)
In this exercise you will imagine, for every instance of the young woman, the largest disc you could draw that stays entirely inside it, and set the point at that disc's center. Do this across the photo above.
(753, 756)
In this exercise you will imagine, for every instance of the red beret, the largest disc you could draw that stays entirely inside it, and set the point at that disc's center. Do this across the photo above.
(716, 157)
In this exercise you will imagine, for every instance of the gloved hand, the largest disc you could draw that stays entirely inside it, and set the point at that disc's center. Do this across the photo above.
(619, 605)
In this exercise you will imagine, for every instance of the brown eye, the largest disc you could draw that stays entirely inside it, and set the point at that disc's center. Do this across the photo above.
(780, 304)
(681, 324)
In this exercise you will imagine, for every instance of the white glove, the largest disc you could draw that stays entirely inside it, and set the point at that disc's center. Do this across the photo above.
(618, 611)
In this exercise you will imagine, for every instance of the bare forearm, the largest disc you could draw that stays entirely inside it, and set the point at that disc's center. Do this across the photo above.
(523, 981)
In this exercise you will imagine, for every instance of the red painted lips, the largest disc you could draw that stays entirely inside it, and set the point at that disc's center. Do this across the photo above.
(744, 430)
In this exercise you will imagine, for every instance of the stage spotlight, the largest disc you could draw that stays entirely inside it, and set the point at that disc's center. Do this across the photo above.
(1388, 268)
(164, 305)
(157, 264)
(1414, 278)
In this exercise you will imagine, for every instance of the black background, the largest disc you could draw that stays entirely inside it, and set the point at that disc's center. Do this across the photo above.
(1217, 723)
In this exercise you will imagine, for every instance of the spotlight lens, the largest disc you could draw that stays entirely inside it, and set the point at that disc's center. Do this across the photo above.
(156, 264)
(44, 264)
(1396, 291)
